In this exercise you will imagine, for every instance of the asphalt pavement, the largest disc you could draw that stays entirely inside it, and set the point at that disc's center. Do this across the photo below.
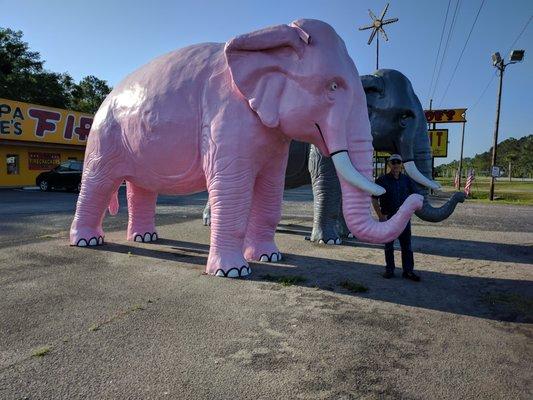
(141, 321)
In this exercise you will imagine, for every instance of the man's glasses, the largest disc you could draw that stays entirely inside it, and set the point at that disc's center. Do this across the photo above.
(395, 162)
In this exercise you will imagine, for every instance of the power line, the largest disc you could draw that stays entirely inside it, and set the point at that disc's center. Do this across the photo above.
(438, 51)
(450, 34)
(462, 52)
(484, 91)
(493, 75)
(520, 34)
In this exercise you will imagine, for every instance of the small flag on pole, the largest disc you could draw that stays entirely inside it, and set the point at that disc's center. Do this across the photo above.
(456, 180)
(469, 181)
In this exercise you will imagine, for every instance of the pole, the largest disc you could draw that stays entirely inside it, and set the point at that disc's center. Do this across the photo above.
(461, 158)
(377, 50)
(501, 67)
(509, 171)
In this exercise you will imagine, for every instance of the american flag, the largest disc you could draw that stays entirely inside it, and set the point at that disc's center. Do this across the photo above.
(469, 182)
(456, 180)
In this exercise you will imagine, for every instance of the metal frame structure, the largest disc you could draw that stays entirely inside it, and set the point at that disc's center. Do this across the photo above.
(377, 25)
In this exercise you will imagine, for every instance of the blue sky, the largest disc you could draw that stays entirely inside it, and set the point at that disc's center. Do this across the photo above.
(109, 39)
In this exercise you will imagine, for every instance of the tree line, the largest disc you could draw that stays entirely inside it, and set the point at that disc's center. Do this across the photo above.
(518, 152)
(24, 78)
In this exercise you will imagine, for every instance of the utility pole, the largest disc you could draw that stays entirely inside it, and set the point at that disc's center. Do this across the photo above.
(499, 63)
(501, 67)
(509, 171)
(461, 159)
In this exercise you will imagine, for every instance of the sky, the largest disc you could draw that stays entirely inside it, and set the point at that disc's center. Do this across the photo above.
(110, 39)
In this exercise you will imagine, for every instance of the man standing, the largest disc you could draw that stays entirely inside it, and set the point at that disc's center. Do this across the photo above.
(398, 187)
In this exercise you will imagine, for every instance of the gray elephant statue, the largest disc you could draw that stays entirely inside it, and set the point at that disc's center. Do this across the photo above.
(398, 126)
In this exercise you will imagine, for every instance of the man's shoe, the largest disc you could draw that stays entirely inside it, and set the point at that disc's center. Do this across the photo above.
(411, 276)
(388, 274)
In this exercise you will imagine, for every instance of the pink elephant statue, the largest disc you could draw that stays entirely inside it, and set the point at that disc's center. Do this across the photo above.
(220, 117)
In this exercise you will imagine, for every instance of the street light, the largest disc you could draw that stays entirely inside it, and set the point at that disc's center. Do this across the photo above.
(499, 62)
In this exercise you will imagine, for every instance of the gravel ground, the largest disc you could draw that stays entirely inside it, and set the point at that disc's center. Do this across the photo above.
(141, 321)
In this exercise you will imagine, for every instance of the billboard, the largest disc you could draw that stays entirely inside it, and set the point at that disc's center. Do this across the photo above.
(34, 123)
(446, 116)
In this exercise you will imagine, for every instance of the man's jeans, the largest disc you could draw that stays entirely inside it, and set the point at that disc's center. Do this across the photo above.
(407, 252)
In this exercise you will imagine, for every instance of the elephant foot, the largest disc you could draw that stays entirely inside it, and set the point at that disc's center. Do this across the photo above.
(330, 242)
(145, 238)
(86, 237)
(262, 251)
(142, 234)
(227, 265)
(326, 234)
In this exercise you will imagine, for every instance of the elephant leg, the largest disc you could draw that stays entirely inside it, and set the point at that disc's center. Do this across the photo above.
(95, 195)
(265, 215)
(230, 198)
(206, 215)
(141, 211)
(342, 228)
(327, 198)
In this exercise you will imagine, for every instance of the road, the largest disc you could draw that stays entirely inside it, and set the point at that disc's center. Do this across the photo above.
(142, 321)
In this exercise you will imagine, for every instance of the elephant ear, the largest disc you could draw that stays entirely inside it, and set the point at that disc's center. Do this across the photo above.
(259, 63)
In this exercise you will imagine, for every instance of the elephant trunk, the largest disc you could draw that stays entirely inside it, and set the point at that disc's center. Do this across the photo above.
(429, 213)
(356, 202)
(423, 162)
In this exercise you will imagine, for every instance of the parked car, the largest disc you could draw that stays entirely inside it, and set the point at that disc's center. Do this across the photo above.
(66, 175)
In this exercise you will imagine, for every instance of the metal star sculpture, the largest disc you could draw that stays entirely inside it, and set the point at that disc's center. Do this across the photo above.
(377, 25)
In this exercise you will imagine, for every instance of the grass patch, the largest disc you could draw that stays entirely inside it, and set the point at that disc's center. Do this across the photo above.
(42, 351)
(46, 237)
(505, 192)
(354, 287)
(284, 280)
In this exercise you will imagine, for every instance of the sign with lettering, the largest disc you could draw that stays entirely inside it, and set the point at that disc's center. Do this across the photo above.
(34, 123)
(43, 161)
(446, 116)
(439, 142)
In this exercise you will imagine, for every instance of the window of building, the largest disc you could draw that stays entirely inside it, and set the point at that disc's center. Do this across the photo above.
(12, 164)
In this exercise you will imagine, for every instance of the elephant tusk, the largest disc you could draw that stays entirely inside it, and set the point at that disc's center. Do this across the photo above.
(349, 173)
(417, 176)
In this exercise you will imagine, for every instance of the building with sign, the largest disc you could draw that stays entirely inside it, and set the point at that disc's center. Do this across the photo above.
(36, 138)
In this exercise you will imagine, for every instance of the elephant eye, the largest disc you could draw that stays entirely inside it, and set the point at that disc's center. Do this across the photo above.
(333, 86)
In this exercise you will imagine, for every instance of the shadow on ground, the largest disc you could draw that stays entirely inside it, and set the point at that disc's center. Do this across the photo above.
(489, 298)
(444, 247)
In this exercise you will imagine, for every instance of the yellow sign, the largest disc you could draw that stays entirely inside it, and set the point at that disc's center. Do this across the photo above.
(439, 142)
(34, 123)
(446, 116)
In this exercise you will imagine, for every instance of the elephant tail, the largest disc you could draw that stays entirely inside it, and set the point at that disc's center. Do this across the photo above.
(113, 203)
(438, 214)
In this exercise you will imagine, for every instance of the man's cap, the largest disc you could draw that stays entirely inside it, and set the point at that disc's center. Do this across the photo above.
(395, 157)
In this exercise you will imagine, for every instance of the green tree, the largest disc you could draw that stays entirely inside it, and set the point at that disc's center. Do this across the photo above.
(89, 94)
(23, 78)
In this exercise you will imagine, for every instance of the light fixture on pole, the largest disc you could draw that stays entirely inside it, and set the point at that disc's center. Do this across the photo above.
(377, 25)
(499, 62)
